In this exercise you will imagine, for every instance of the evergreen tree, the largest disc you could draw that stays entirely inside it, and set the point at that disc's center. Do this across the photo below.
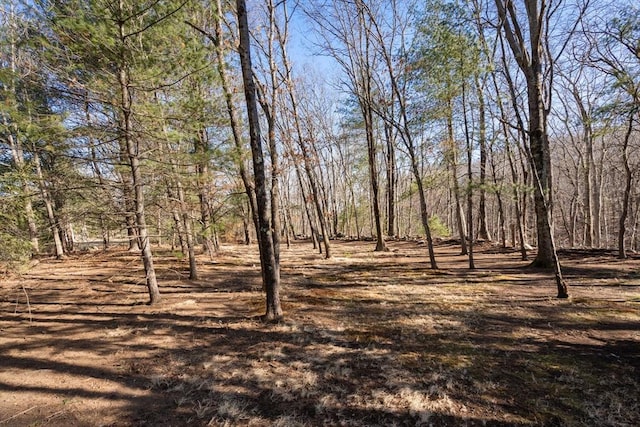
(114, 56)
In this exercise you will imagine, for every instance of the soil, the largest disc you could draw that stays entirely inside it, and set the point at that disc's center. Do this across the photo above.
(368, 339)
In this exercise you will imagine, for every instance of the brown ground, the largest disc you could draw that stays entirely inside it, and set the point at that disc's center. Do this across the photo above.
(369, 339)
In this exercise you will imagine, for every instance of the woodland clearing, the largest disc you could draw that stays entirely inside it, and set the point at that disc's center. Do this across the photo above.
(369, 338)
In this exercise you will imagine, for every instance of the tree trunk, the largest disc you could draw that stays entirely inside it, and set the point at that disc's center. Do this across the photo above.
(98, 173)
(18, 159)
(424, 213)
(285, 222)
(365, 100)
(470, 233)
(268, 257)
(391, 180)
(452, 157)
(483, 232)
(31, 223)
(217, 40)
(305, 149)
(597, 201)
(128, 202)
(134, 163)
(322, 221)
(538, 152)
(628, 180)
(373, 176)
(635, 241)
(498, 188)
(320, 178)
(202, 172)
(352, 197)
(403, 126)
(308, 211)
(588, 185)
(177, 218)
(270, 109)
(188, 231)
(245, 225)
(515, 181)
(54, 225)
(14, 141)
(540, 159)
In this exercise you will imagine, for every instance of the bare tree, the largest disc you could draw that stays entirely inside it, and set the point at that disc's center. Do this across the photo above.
(401, 121)
(220, 44)
(268, 257)
(530, 60)
(614, 51)
(304, 142)
(628, 182)
(346, 29)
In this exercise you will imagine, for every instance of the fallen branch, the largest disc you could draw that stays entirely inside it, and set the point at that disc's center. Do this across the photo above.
(18, 414)
(28, 306)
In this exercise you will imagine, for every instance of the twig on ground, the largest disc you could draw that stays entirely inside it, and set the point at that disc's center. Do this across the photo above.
(15, 311)
(28, 304)
(18, 414)
(55, 414)
(180, 275)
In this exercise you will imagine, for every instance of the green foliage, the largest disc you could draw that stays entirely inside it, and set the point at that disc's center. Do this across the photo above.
(446, 53)
(15, 250)
(438, 228)
(88, 46)
(35, 154)
(621, 59)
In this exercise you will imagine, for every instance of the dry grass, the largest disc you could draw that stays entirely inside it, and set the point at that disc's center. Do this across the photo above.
(369, 339)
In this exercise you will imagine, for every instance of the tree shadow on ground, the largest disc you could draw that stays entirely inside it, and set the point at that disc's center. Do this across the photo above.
(389, 347)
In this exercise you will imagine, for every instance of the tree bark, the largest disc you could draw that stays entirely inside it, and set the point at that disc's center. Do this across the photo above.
(515, 182)
(391, 180)
(269, 266)
(373, 175)
(352, 197)
(305, 201)
(470, 233)
(12, 135)
(588, 203)
(177, 218)
(365, 100)
(270, 110)
(202, 171)
(452, 157)
(54, 224)
(538, 152)
(628, 180)
(101, 181)
(134, 162)
(234, 122)
(18, 159)
(540, 158)
(498, 188)
(188, 230)
(483, 231)
(424, 215)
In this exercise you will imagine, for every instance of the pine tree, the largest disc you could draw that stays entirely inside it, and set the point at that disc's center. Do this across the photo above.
(113, 54)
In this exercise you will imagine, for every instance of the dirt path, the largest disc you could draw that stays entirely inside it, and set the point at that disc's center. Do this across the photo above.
(369, 339)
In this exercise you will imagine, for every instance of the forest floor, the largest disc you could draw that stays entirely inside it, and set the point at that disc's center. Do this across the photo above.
(368, 339)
